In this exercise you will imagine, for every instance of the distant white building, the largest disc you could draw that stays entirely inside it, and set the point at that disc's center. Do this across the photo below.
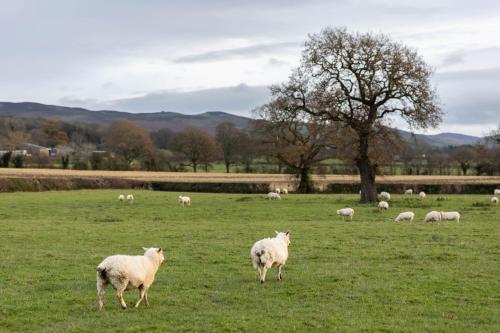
(22, 152)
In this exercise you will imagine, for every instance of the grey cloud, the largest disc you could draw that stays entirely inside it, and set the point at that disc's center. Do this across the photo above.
(240, 99)
(470, 97)
(464, 75)
(253, 50)
(273, 62)
(459, 56)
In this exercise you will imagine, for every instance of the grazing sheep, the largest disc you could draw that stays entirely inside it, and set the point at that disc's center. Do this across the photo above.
(285, 191)
(273, 196)
(130, 198)
(129, 272)
(383, 205)
(405, 216)
(450, 216)
(270, 252)
(184, 200)
(496, 192)
(409, 191)
(346, 212)
(422, 195)
(277, 190)
(494, 200)
(386, 196)
(121, 197)
(432, 216)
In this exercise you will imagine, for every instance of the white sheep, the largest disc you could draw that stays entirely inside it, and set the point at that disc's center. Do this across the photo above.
(284, 191)
(422, 195)
(121, 197)
(405, 216)
(496, 192)
(386, 196)
(277, 190)
(494, 201)
(129, 272)
(346, 212)
(383, 205)
(409, 191)
(432, 216)
(184, 200)
(273, 196)
(270, 252)
(130, 198)
(450, 216)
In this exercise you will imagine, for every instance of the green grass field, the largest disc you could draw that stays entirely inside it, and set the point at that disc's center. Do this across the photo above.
(369, 275)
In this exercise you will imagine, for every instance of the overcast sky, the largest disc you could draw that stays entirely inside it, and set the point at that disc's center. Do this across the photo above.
(196, 56)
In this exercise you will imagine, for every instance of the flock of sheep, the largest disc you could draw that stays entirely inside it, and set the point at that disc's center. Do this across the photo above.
(433, 216)
(126, 272)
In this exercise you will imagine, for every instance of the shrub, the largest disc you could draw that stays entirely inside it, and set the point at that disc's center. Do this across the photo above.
(18, 161)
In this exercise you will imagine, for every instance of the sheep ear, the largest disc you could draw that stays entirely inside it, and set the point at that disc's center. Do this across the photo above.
(160, 249)
(145, 248)
(276, 232)
(288, 233)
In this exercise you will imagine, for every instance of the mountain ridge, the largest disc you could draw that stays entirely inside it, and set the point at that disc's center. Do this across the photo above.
(178, 121)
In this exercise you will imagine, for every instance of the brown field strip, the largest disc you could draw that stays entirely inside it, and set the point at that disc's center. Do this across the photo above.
(202, 177)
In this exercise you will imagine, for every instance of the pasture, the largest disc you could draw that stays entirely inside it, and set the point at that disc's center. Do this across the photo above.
(369, 275)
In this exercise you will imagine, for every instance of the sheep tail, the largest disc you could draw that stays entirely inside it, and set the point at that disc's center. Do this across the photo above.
(261, 256)
(102, 272)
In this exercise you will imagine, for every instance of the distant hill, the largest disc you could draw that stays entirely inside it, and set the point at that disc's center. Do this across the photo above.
(151, 121)
(441, 140)
(177, 121)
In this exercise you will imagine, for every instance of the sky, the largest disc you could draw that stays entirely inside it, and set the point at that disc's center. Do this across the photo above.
(196, 56)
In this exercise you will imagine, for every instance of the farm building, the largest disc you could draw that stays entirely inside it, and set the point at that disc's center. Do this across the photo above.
(33, 149)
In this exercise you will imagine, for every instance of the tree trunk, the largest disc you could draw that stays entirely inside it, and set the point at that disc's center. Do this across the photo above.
(195, 165)
(227, 167)
(366, 173)
(305, 184)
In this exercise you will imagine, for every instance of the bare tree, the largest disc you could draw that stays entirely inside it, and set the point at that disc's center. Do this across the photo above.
(358, 80)
(464, 156)
(197, 146)
(229, 139)
(250, 148)
(298, 140)
(128, 140)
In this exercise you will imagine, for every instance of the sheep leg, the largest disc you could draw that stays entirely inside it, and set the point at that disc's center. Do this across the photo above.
(100, 293)
(142, 292)
(280, 274)
(259, 269)
(146, 298)
(263, 275)
(119, 294)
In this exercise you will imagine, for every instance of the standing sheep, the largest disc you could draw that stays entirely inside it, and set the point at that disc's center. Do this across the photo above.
(346, 212)
(277, 190)
(432, 216)
(130, 198)
(285, 191)
(494, 201)
(184, 200)
(409, 191)
(270, 252)
(422, 195)
(121, 197)
(129, 272)
(405, 216)
(496, 192)
(383, 205)
(273, 196)
(386, 196)
(450, 216)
